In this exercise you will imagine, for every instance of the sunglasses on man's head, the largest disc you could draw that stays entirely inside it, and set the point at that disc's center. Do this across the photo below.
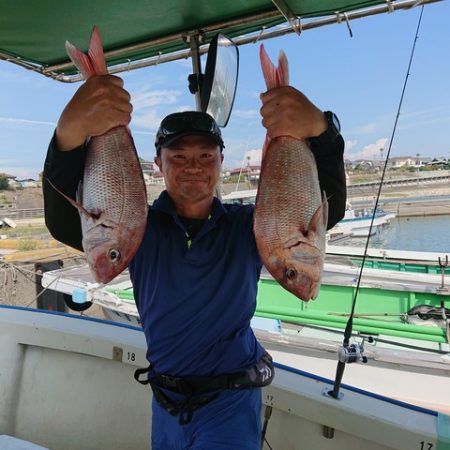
(180, 123)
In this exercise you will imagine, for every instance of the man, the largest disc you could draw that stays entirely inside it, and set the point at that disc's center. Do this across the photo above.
(195, 274)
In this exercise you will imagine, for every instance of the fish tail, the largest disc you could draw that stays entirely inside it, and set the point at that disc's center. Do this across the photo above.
(92, 63)
(81, 61)
(274, 76)
(96, 53)
(283, 69)
(268, 69)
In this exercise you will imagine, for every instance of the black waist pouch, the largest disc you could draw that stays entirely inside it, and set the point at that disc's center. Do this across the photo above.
(199, 391)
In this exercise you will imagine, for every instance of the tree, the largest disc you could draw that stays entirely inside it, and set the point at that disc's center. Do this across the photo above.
(4, 183)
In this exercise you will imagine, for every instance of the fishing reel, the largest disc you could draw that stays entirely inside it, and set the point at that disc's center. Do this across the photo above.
(354, 352)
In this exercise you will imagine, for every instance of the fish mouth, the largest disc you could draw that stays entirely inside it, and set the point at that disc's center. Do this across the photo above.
(305, 288)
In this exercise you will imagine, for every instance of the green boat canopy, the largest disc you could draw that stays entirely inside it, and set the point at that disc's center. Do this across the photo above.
(33, 32)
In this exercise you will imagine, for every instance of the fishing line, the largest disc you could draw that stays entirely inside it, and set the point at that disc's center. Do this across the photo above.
(348, 329)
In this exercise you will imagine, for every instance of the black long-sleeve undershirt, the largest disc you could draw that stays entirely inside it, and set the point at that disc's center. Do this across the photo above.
(65, 170)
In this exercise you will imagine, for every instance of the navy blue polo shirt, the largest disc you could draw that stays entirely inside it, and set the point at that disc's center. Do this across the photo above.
(196, 299)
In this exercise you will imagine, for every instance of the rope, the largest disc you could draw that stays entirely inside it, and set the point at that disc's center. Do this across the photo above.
(9, 278)
(43, 290)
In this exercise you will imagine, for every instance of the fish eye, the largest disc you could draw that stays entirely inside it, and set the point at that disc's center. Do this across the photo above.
(113, 254)
(290, 273)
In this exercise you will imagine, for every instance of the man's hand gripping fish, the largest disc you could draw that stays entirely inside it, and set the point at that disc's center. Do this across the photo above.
(290, 217)
(112, 201)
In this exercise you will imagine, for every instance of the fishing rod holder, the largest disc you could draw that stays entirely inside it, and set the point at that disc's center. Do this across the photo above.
(354, 352)
(443, 264)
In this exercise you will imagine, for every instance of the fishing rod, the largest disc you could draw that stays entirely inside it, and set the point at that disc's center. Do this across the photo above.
(355, 352)
(375, 338)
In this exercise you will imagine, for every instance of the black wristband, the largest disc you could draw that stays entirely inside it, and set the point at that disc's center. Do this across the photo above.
(330, 134)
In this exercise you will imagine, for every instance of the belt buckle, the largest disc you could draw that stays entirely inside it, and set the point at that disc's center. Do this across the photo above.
(174, 383)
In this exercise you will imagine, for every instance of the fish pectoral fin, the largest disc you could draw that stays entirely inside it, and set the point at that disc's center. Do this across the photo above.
(318, 222)
(320, 217)
(75, 203)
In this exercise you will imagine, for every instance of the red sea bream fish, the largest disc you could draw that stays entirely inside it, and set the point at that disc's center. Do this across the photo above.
(112, 200)
(290, 217)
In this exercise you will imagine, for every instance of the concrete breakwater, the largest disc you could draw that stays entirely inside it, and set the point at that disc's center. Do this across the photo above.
(407, 201)
(419, 208)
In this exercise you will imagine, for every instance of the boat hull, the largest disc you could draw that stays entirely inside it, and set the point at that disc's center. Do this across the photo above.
(76, 391)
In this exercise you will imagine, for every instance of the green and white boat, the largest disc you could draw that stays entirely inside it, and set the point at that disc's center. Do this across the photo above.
(408, 348)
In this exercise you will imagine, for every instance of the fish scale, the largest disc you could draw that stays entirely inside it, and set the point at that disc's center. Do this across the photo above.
(290, 217)
(291, 165)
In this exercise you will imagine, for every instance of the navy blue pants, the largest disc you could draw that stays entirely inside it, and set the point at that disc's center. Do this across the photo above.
(231, 421)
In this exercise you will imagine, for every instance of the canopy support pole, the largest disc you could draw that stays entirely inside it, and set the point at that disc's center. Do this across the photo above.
(289, 15)
(194, 43)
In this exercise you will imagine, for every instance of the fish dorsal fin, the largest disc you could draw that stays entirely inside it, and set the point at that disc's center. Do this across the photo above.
(92, 63)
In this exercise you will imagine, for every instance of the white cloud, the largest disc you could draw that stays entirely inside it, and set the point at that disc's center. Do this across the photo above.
(149, 120)
(423, 123)
(246, 114)
(146, 107)
(182, 108)
(253, 94)
(184, 63)
(367, 128)
(15, 121)
(148, 99)
(145, 133)
(19, 171)
(371, 151)
(349, 145)
(422, 112)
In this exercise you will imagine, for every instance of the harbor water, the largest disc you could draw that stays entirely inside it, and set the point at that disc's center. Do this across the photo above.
(430, 234)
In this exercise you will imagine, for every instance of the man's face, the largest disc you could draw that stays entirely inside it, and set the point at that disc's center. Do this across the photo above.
(191, 168)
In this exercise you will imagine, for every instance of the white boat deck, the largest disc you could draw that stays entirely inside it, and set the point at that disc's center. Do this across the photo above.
(76, 391)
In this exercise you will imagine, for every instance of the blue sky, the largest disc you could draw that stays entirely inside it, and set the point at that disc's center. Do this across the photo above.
(360, 78)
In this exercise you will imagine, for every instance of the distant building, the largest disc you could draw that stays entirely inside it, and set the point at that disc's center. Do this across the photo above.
(27, 183)
(148, 167)
(406, 161)
(365, 165)
(249, 173)
(436, 163)
(395, 162)
(156, 178)
(11, 179)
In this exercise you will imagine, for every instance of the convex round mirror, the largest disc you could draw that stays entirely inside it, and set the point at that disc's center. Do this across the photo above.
(220, 79)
